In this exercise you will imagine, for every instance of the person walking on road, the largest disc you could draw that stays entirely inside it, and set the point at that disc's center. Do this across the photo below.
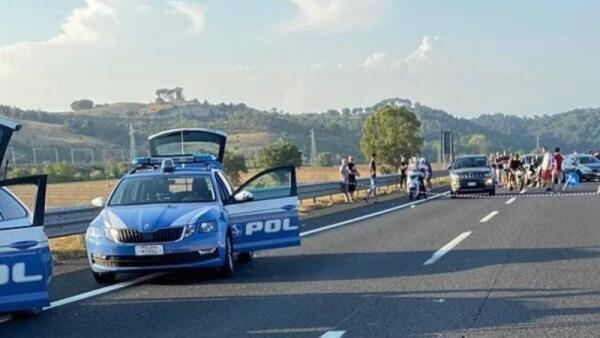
(499, 169)
(373, 177)
(344, 179)
(557, 160)
(403, 170)
(353, 175)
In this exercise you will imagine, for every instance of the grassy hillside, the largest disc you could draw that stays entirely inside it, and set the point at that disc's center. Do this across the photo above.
(336, 132)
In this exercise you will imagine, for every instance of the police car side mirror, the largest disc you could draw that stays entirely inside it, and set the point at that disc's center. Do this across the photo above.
(243, 196)
(99, 202)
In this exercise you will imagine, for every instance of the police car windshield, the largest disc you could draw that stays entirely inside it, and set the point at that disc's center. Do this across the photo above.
(160, 189)
(470, 162)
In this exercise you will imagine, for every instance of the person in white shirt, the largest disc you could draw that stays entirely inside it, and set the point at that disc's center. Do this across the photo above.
(546, 168)
(344, 179)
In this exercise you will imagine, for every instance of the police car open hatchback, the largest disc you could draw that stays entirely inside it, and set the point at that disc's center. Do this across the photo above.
(25, 260)
(177, 210)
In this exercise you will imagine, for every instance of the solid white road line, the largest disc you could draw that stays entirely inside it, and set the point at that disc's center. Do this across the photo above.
(5, 319)
(489, 217)
(371, 215)
(446, 248)
(104, 290)
(122, 285)
(333, 334)
(511, 200)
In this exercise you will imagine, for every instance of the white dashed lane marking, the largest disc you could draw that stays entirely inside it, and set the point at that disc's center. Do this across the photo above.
(446, 248)
(489, 217)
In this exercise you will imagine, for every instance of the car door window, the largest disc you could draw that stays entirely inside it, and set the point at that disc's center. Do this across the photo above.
(224, 189)
(271, 184)
(10, 208)
(225, 182)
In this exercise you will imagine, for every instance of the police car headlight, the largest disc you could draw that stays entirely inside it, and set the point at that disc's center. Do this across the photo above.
(94, 232)
(189, 230)
(111, 234)
(208, 227)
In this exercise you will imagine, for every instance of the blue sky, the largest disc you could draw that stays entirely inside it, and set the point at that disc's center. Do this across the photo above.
(467, 57)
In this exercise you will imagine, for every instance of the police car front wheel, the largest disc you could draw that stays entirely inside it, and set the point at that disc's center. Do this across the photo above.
(228, 267)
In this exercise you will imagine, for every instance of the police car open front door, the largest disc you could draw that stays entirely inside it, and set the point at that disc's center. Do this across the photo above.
(25, 259)
(263, 212)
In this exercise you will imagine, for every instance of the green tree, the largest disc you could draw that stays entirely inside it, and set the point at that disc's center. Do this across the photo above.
(391, 132)
(324, 159)
(82, 104)
(281, 152)
(234, 164)
(479, 143)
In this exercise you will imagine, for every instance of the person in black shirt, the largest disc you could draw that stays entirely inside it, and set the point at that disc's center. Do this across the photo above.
(353, 175)
(403, 170)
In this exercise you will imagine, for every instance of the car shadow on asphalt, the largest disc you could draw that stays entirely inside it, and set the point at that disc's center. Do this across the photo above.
(373, 314)
(371, 265)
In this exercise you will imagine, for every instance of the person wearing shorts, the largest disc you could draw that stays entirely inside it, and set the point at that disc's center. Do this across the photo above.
(546, 169)
(557, 160)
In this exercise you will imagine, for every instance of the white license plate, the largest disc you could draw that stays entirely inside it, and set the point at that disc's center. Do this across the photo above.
(471, 184)
(149, 250)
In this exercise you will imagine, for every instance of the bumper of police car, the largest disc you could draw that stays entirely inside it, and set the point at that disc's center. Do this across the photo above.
(200, 250)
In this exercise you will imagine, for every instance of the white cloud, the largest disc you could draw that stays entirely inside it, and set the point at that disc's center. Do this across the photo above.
(424, 50)
(376, 60)
(381, 61)
(193, 12)
(334, 16)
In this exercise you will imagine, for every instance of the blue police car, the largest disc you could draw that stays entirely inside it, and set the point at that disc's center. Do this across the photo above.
(177, 210)
(25, 259)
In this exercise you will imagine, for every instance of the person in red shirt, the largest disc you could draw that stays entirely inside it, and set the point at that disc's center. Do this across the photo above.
(557, 160)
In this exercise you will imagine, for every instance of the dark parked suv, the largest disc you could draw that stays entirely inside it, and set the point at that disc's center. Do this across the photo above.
(471, 174)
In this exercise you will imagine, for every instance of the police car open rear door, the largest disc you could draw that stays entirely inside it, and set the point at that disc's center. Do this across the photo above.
(263, 212)
(188, 142)
(25, 260)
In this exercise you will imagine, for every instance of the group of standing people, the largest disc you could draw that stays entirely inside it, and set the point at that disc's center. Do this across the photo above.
(349, 175)
(544, 171)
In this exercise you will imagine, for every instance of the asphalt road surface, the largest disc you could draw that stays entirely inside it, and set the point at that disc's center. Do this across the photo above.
(512, 265)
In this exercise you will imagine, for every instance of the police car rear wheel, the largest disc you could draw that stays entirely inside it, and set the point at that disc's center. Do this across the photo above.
(228, 267)
(105, 277)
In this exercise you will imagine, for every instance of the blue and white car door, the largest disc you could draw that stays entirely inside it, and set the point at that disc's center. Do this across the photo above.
(25, 259)
(263, 212)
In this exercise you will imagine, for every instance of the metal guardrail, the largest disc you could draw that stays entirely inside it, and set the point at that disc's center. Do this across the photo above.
(74, 220)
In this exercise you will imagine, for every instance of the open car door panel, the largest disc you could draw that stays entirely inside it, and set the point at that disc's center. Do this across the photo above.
(263, 212)
(7, 128)
(25, 259)
(188, 142)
